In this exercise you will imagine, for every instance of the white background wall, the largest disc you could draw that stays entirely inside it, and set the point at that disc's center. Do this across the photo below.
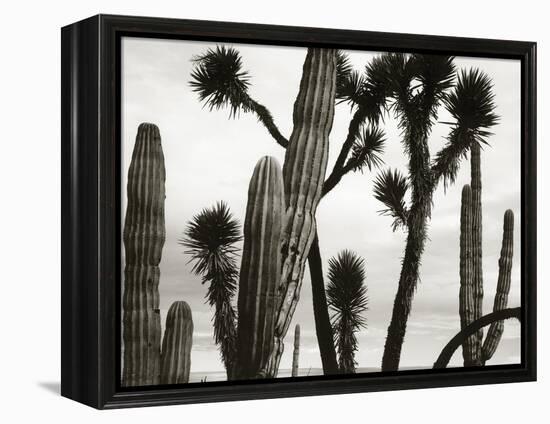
(29, 210)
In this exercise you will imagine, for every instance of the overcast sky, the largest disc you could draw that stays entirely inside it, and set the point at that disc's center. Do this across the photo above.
(210, 157)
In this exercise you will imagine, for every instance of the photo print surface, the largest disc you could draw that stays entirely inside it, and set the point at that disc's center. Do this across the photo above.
(292, 212)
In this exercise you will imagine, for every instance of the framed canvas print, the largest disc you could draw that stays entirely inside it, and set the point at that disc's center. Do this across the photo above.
(253, 211)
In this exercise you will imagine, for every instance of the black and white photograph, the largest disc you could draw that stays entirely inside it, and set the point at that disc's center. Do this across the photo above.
(309, 212)
(293, 212)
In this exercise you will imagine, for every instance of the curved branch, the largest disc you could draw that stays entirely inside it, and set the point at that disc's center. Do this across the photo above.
(340, 168)
(456, 341)
(265, 117)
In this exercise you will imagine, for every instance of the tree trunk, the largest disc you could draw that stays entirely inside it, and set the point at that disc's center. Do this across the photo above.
(323, 328)
(405, 292)
(421, 199)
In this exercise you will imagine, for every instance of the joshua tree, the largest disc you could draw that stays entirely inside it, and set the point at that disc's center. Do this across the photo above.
(347, 298)
(472, 106)
(416, 86)
(210, 238)
(220, 81)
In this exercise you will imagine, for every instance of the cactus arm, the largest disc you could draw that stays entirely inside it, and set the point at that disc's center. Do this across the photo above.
(466, 295)
(494, 333)
(296, 353)
(176, 345)
(260, 269)
(144, 234)
(453, 344)
(304, 172)
(477, 251)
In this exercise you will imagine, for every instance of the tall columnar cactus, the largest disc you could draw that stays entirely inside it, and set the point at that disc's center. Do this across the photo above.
(476, 351)
(503, 286)
(260, 269)
(175, 360)
(477, 251)
(466, 298)
(296, 353)
(144, 235)
(304, 172)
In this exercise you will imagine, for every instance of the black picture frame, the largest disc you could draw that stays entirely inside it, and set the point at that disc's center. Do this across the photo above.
(90, 183)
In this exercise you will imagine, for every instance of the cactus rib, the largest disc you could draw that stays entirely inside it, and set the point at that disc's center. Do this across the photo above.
(304, 172)
(466, 297)
(296, 353)
(494, 333)
(477, 252)
(260, 269)
(144, 234)
(176, 344)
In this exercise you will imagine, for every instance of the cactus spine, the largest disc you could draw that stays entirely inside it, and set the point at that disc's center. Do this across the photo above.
(304, 172)
(296, 353)
(477, 251)
(503, 286)
(144, 234)
(260, 269)
(466, 298)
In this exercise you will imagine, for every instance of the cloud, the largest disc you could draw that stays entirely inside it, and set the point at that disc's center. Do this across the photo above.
(210, 157)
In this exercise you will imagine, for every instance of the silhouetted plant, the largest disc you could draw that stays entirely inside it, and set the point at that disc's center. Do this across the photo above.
(144, 235)
(474, 352)
(390, 188)
(220, 81)
(211, 238)
(347, 299)
(472, 106)
(416, 86)
(260, 274)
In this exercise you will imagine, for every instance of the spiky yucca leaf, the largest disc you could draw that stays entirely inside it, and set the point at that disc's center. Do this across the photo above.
(349, 89)
(390, 188)
(343, 66)
(471, 104)
(348, 301)
(392, 73)
(367, 149)
(210, 238)
(220, 81)
(366, 90)
(436, 74)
